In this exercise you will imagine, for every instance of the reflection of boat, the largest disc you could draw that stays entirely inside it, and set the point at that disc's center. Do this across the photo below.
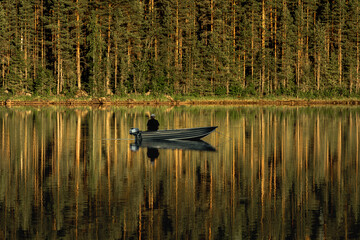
(172, 144)
(175, 134)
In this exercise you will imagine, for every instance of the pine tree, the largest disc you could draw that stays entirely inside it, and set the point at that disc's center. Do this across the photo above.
(121, 69)
(95, 53)
(108, 22)
(287, 42)
(350, 42)
(4, 42)
(201, 47)
(63, 44)
(325, 60)
(80, 8)
(14, 66)
(338, 13)
(319, 53)
(355, 5)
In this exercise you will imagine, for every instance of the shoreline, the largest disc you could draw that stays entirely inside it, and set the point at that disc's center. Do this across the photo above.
(132, 102)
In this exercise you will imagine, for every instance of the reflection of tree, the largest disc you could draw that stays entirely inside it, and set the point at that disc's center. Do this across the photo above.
(286, 173)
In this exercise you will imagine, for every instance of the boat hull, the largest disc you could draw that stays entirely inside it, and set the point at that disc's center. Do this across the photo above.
(177, 134)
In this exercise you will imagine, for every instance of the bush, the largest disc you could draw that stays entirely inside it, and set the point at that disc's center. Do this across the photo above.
(220, 91)
(43, 84)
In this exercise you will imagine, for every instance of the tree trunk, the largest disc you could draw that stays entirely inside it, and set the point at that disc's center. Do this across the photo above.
(244, 66)
(108, 63)
(263, 39)
(283, 49)
(357, 62)
(59, 81)
(357, 48)
(318, 70)
(25, 55)
(78, 68)
(35, 52)
(116, 66)
(153, 19)
(42, 37)
(275, 50)
(128, 62)
(213, 56)
(299, 43)
(340, 45)
(176, 57)
(234, 31)
(252, 45)
(177, 36)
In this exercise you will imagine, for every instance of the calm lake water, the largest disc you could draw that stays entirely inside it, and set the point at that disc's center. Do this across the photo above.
(277, 173)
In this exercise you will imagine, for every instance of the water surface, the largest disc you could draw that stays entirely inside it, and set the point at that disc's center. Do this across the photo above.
(277, 173)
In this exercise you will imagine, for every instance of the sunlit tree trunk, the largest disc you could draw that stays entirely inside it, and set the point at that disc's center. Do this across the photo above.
(193, 44)
(234, 31)
(108, 63)
(178, 48)
(128, 62)
(283, 47)
(24, 50)
(288, 56)
(357, 61)
(176, 55)
(252, 44)
(275, 50)
(116, 66)
(270, 68)
(42, 37)
(35, 51)
(299, 44)
(154, 26)
(307, 35)
(59, 65)
(78, 30)
(263, 40)
(212, 32)
(318, 72)
(340, 43)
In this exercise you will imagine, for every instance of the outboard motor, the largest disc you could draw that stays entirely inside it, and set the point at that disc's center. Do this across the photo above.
(134, 147)
(136, 133)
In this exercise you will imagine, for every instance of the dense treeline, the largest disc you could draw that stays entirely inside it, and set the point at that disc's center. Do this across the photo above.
(204, 47)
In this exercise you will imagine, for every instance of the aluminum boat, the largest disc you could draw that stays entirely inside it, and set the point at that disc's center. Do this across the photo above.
(175, 134)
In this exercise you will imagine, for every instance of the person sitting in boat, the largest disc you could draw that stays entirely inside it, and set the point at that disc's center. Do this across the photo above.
(152, 124)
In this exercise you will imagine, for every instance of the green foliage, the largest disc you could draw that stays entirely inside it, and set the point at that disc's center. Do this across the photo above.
(202, 48)
(94, 56)
(43, 84)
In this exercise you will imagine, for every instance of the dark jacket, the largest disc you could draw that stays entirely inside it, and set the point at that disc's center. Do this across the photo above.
(152, 125)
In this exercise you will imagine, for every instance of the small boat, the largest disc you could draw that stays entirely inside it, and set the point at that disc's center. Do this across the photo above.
(175, 134)
(173, 144)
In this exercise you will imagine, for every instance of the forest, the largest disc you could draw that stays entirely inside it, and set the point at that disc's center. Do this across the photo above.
(301, 48)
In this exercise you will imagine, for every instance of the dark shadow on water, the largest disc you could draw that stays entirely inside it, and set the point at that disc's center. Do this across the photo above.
(154, 146)
(152, 153)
